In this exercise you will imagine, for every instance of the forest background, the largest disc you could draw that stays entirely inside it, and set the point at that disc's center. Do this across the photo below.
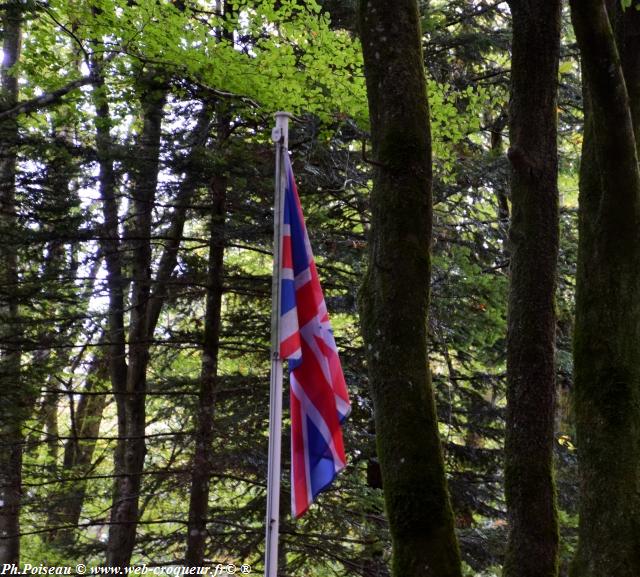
(137, 179)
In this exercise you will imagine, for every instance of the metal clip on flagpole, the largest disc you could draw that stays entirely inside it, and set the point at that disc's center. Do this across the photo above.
(280, 135)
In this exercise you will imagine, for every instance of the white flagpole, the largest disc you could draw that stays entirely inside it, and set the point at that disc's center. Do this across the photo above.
(280, 135)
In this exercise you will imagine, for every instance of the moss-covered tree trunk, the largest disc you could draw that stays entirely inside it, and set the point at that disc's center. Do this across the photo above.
(532, 548)
(395, 294)
(607, 332)
(15, 407)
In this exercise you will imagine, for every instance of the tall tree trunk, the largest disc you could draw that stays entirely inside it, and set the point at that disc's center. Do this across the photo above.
(395, 294)
(111, 246)
(66, 501)
(202, 465)
(78, 454)
(14, 408)
(626, 25)
(532, 548)
(131, 399)
(129, 381)
(607, 331)
(202, 459)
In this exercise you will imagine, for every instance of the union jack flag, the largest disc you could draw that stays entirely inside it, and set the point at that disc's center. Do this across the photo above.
(319, 401)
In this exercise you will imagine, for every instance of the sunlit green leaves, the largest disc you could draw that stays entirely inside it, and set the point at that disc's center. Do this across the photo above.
(455, 116)
(279, 55)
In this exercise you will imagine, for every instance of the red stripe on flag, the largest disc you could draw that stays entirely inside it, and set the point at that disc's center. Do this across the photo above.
(306, 303)
(290, 345)
(298, 461)
(287, 255)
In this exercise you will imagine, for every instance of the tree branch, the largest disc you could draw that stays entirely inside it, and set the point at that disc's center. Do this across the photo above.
(45, 99)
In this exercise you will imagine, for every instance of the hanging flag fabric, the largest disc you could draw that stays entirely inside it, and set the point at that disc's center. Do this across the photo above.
(319, 400)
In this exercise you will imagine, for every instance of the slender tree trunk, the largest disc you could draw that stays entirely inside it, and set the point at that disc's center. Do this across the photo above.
(202, 465)
(111, 247)
(78, 454)
(49, 360)
(395, 294)
(607, 330)
(66, 501)
(131, 449)
(169, 258)
(202, 459)
(14, 408)
(532, 548)
(145, 312)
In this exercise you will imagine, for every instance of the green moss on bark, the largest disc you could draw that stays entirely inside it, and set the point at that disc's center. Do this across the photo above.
(395, 295)
(607, 333)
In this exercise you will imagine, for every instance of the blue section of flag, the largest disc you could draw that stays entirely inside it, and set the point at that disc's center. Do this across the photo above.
(298, 233)
(321, 462)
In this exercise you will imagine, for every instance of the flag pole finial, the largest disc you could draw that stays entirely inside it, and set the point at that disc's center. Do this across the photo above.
(280, 133)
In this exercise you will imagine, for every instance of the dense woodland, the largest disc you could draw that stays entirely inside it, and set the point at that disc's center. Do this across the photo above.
(469, 175)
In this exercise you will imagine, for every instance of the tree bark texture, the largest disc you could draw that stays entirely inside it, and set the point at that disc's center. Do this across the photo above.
(395, 295)
(13, 393)
(131, 449)
(532, 548)
(147, 297)
(202, 464)
(607, 331)
(626, 27)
